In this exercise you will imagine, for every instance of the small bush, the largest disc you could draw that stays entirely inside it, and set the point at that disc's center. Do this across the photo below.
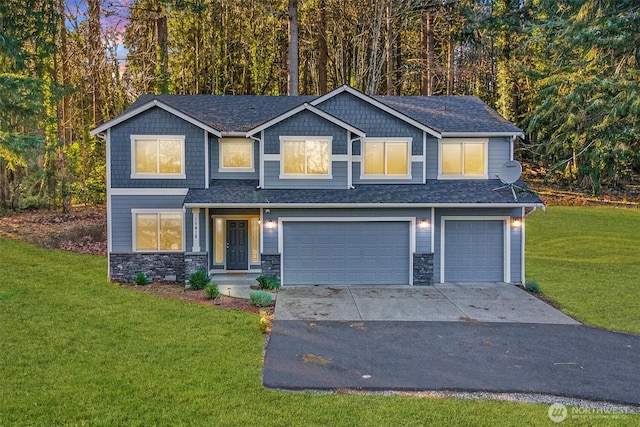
(264, 324)
(212, 291)
(140, 279)
(268, 282)
(532, 287)
(199, 280)
(260, 298)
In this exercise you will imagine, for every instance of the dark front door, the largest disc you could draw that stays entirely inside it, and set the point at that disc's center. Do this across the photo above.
(237, 245)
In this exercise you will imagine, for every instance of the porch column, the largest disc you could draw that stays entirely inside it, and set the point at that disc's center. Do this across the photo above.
(196, 229)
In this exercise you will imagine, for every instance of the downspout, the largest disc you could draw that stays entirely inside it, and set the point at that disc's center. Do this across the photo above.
(350, 155)
(261, 163)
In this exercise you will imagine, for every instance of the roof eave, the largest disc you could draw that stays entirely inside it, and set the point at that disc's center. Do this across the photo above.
(363, 205)
(481, 134)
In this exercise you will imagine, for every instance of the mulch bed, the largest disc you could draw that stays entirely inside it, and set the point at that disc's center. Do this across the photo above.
(177, 291)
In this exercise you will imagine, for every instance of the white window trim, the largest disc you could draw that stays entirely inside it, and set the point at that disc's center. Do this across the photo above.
(221, 143)
(484, 141)
(284, 175)
(385, 176)
(134, 235)
(136, 175)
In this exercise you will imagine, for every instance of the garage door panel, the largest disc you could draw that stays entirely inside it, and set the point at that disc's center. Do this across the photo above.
(474, 250)
(372, 252)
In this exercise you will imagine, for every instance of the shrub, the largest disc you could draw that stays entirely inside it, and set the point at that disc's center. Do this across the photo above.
(199, 280)
(532, 287)
(268, 282)
(140, 279)
(264, 324)
(260, 298)
(212, 291)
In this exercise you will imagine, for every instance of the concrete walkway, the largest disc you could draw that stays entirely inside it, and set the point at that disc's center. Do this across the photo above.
(458, 302)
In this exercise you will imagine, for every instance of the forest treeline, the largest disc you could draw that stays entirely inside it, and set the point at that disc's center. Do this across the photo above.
(566, 71)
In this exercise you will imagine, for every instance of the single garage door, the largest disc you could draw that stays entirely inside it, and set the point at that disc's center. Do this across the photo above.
(474, 251)
(346, 253)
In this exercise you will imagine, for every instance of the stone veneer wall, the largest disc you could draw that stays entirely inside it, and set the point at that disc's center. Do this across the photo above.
(423, 269)
(194, 261)
(270, 264)
(159, 267)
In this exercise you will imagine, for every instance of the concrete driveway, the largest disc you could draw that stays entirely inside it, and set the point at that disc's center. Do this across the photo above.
(452, 302)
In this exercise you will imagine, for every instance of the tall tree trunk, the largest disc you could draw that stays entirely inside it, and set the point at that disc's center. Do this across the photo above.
(426, 86)
(322, 47)
(450, 64)
(389, 49)
(293, 74)
(95, 62)
(162, 67)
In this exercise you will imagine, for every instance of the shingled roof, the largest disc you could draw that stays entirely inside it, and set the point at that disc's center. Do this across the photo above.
(444, 192)
(241, 113)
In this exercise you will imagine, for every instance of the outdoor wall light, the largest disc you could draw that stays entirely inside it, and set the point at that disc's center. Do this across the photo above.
(516, 223)
(423, 223)
(271, 224)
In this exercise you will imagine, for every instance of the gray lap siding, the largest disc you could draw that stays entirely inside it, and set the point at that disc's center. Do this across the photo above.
(156, 121)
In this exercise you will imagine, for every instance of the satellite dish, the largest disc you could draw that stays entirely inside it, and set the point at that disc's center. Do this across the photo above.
(510, 172)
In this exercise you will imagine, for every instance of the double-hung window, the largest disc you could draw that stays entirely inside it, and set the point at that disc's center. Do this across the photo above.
(236, 155)
(305, 157)
(158, 231)
(386, 158)
(157, 156)
(463, 158)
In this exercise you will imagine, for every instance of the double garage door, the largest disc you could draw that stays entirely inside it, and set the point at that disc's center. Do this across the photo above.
(346, 252)
(474, 250)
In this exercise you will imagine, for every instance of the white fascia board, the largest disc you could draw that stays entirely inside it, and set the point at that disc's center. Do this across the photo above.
(147, 106)
(377, 104)
(233, 134)
(300, 108)
(150, 192)
(480, 134)
(361, 205)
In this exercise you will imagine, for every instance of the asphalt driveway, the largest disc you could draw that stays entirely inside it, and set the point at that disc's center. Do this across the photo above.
(563, 360)
(482, 302)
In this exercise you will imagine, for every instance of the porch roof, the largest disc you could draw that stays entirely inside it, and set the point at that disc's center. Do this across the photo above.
(460, 193)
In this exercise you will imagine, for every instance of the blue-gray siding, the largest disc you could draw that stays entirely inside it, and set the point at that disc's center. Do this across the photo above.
(339, 253)
(374, 121)
(121, 219)
(156, 121)
(499, 153)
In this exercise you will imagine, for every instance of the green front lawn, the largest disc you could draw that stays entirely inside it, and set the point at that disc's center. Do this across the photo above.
(75, 350)
(587, 259)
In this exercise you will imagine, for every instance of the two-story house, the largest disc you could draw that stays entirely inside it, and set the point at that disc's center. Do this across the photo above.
(343, 188)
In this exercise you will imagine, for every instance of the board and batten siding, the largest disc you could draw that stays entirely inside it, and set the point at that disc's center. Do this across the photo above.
(156, 121)
(515, 236)
(121, 219)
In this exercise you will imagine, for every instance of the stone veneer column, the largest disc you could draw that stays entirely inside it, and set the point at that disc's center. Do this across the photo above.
(270, 264)
(423, 269)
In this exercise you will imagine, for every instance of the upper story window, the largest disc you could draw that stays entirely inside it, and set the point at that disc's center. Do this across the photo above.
(386, 158)
(157, 156)
(236, 155)
(463, 158)
(157, 231)
(305, 157)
